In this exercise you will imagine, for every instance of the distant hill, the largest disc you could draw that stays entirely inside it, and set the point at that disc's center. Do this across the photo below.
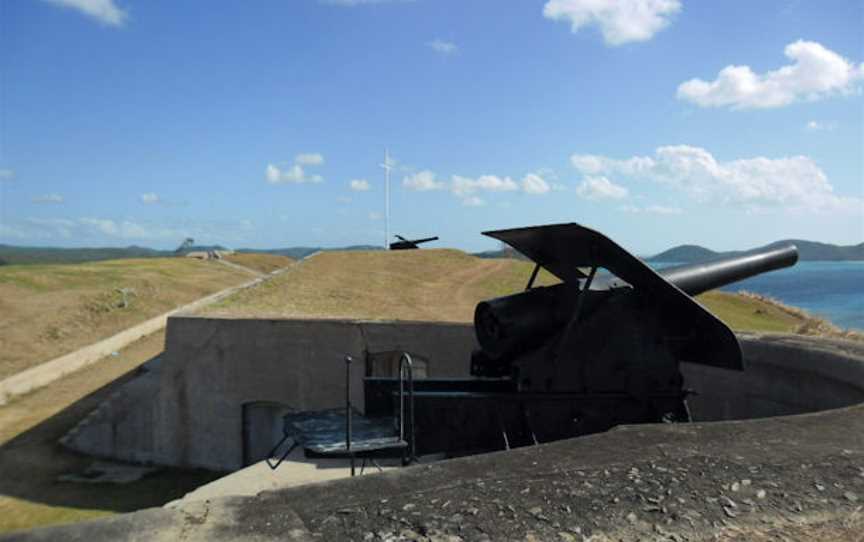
(44, 255)
(807, 251)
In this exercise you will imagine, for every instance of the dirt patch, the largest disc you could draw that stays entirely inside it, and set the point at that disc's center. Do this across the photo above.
(50, 310)
(263, 263)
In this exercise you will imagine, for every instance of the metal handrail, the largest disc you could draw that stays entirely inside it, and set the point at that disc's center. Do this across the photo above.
(405, 361)
(348, 360)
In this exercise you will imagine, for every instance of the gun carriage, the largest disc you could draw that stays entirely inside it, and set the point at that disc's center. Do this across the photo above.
(601, 348)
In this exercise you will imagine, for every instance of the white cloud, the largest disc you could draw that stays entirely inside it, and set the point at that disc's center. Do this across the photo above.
(343, 199)
(466, 189)
(794, 183)
(309, 159)
(375, 216)
(422, 181)
(104, 11)
(597, 188)
(6, 174)
(819, 126)
(294, 174)
(652, 209)
(473, 201)
(150, 198)
(533, 183)
(444, 47)
(126, 229)
(663, 210)
(359, 185)
(620, 21)
(48, 198)
(816, 72)
(464, 186)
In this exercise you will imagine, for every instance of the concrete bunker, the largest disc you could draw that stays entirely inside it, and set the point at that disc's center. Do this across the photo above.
(216, 396)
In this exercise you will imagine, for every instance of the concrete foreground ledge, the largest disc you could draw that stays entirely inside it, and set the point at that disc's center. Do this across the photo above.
(730, 480)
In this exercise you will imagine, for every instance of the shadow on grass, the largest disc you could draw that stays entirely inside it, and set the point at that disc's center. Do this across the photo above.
(31, 462)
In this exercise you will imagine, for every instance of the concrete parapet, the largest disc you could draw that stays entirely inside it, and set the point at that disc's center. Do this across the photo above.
(189, 412)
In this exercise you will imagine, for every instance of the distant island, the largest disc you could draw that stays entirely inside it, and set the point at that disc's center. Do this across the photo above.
(807, 251)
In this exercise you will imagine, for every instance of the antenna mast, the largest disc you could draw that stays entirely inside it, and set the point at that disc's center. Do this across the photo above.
(387, 167)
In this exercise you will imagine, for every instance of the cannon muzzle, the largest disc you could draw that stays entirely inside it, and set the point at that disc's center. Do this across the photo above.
(695, 279)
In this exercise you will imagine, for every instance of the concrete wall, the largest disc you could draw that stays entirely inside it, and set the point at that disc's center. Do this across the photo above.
(189, 410)
(784, 375)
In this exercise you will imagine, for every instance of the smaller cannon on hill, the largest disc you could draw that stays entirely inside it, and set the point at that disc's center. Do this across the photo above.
(408, 244)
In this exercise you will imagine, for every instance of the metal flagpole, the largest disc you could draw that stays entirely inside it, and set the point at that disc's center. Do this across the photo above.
(387, 167)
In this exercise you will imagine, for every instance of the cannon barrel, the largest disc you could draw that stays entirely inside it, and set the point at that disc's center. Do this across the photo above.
(506, 326)
(695, 279)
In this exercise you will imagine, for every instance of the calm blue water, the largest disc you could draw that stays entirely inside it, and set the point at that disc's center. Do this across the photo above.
(832, 290)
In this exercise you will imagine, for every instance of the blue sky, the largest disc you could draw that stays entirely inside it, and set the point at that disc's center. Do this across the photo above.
(728, 124)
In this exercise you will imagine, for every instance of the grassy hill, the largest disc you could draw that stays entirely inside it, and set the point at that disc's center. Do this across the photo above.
(439, 285)
(263, 263)
(49, 310)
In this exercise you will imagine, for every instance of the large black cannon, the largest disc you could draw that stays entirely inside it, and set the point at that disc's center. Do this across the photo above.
(601, 348)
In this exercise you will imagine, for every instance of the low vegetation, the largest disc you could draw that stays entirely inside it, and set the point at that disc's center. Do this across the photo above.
(50, 310)
(263, 263)
(445, 285)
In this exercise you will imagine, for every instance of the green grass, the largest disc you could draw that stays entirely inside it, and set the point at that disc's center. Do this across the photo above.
(742, 313)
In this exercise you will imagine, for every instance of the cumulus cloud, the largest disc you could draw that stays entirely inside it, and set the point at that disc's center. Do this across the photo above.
(473, 201)
(465, 186)
(597, 188)
(794, 182)
(441, 46)
(48, 198)
(126, 229)
(620, 21)
(819, 126)
(652, 209)
(104, 11)
(150, 198)
(816, 72)
(467, 189)
(423, 181)
(359, 185)
(309, 159)
(533, 183)
(295, 173)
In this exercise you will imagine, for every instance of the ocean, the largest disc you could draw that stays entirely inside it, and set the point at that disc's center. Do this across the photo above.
(832, 290)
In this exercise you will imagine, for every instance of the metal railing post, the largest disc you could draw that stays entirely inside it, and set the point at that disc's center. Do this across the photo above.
(405, 361)
(348, 361)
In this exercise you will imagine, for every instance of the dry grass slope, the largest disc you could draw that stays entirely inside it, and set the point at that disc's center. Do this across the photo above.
(264, 263)
(49, 310)
(440, 285)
